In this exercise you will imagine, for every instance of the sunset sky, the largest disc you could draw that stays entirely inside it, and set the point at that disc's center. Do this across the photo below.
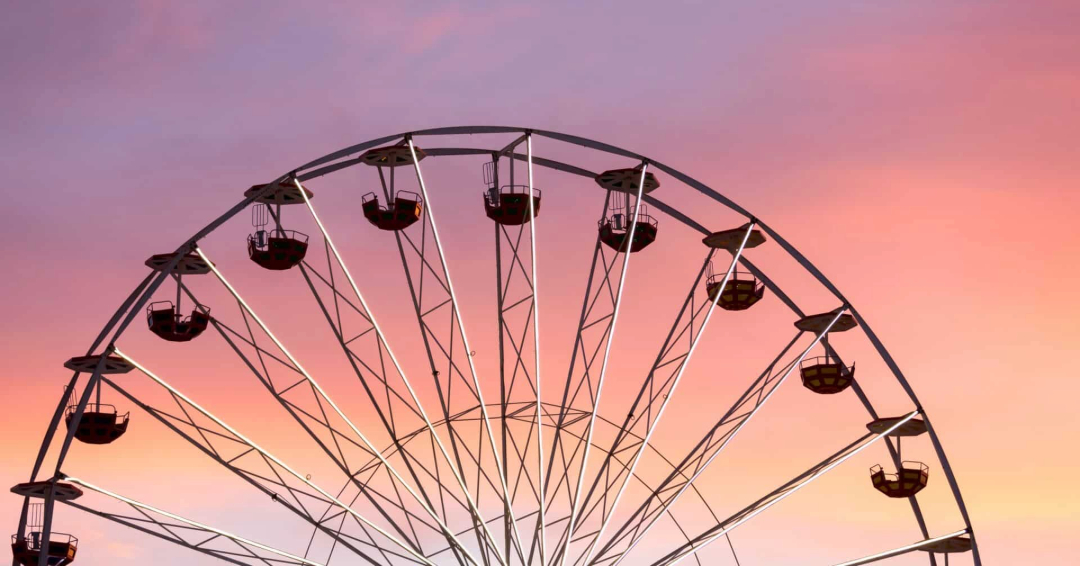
(925, 155)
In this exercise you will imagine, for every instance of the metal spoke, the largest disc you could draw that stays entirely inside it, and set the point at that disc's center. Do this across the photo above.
(651, 427)
(297, 412)
(243, 542)
(456, 314)
(517, 318)
(575, 505)
(240, 438)
(903, 549)
(536, 349)
(521, 415)
(760, 392)
(322, 395)
(599, 264)
(377, 487)
(779, 494)
(382, 343)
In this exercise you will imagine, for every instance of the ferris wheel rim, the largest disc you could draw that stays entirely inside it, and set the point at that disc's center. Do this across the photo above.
(330, 163)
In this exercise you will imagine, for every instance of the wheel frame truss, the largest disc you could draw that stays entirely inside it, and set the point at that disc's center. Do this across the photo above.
(342, 159)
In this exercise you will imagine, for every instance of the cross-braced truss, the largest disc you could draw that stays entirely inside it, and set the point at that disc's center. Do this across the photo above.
(447, 467)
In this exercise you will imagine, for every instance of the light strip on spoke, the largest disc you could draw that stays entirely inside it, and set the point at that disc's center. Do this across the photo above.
(472, 366)
(903, 549)
(270, 457)
(670, 394)
(536, 350)
(401, 372)
(787, 493)
(195, 524)
(322, 393)
(628, 243)
(701, 469)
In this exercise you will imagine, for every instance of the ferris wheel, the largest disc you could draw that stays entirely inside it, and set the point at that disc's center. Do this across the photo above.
(468, 459)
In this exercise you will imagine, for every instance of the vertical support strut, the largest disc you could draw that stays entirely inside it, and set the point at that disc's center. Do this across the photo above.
(651, 427)
(570, 389)
(500, 312)
(459, 324)
(383, 344)
(575, 505)
(536, 350)
(517, 278)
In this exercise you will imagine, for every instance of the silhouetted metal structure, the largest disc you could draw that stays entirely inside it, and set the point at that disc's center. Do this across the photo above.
(520, 479)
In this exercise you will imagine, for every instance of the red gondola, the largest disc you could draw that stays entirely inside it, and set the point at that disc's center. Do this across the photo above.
(741, 291)
(403, 208)
(510, 204)
(404, 211)
(100, 424)
(163, 320)
(615, 226)
(826, 376)
(27, 551)
(163, 317)
(28, 546)
(910, 480)
(276, 249)
(615, 230)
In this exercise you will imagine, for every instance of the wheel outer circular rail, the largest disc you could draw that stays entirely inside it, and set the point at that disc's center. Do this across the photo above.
(332, 162)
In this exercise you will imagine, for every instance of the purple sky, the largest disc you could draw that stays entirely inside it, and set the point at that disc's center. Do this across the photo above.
(943, 133)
